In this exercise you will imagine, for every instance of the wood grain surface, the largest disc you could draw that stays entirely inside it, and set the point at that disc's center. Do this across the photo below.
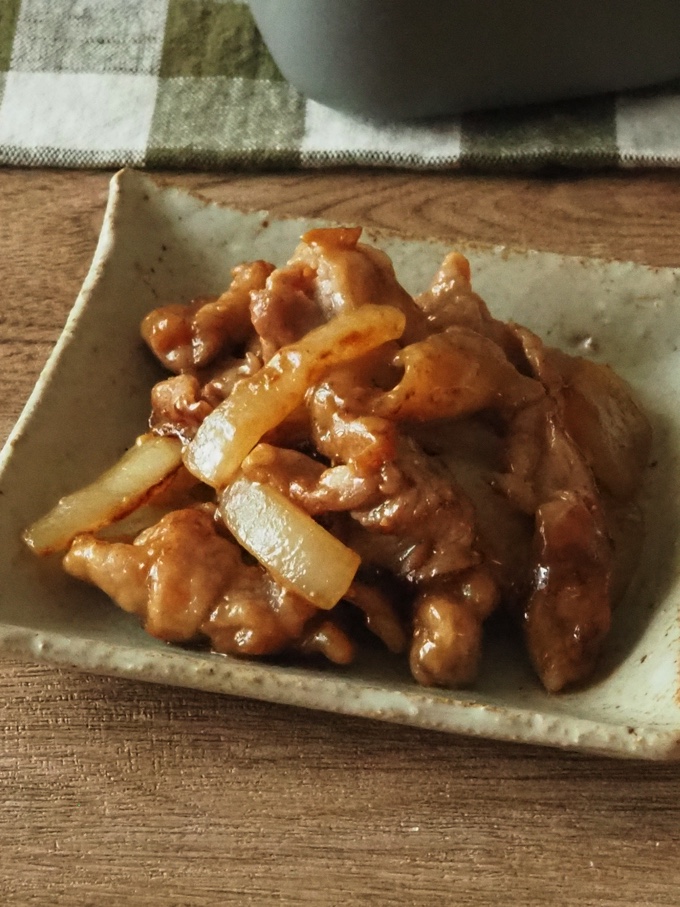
(115, 792)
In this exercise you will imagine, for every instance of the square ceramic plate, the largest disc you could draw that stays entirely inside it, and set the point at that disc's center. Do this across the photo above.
(92, 400)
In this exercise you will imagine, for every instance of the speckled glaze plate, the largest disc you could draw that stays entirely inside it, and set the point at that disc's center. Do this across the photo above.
(92, 400)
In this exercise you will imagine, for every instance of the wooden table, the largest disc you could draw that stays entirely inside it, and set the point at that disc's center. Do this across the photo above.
(116, 792)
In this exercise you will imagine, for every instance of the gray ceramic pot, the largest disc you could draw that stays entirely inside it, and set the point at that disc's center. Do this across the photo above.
(414, 58)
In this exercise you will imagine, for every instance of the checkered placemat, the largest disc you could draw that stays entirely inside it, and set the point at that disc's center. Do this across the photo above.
(189, 83)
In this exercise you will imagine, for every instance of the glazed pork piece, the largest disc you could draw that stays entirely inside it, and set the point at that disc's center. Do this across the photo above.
(356, 455)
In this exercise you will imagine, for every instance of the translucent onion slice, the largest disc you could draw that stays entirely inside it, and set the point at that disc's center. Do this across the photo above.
(127, 528)
(116, 493)
(299, 553)
(260, 403)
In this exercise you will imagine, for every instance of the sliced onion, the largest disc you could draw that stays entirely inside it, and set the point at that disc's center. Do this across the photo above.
(144, 517)
(298, 552)
(261, 402)
(116, 493)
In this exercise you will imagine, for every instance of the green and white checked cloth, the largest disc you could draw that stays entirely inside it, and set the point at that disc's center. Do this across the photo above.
(189, 83)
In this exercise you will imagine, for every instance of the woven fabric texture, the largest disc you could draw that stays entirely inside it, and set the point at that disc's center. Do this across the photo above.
(189, 83)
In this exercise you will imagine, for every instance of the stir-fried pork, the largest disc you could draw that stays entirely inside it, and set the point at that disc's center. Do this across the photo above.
(188, 337)
(349, 274)
(465, 458)
(185, 580)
